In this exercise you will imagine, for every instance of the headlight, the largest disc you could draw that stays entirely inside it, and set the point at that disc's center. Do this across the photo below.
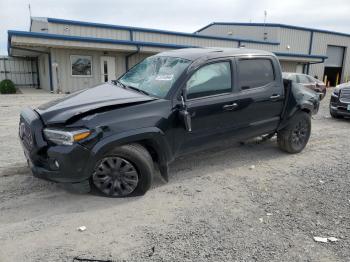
(65, 137)
(336, 91)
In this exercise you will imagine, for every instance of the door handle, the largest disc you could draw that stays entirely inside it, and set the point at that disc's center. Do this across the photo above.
(230, 107)
(273, 97)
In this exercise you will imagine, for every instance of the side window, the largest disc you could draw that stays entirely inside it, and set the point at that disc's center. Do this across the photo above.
(255, 73)
(209, 80)
(303, 79)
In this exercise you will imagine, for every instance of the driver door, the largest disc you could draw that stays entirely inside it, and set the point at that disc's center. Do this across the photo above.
(210, 103)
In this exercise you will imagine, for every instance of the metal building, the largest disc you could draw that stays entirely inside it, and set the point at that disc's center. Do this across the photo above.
(23, 72)
(298, 40)
(73, 55)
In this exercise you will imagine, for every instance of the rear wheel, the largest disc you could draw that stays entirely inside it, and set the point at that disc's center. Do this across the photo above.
(125, 171)
(294, 137)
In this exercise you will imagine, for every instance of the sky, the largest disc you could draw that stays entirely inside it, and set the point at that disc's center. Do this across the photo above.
(178, 15)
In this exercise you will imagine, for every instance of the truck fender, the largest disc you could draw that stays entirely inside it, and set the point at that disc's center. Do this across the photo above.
(306, 107)
(153, 135)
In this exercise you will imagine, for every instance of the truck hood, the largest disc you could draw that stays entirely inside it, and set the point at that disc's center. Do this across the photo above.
(99, 97)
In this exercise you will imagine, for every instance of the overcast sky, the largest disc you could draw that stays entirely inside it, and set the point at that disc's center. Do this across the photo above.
(178, 15)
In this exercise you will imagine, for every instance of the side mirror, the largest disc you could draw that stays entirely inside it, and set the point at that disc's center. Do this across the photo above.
(185, 115)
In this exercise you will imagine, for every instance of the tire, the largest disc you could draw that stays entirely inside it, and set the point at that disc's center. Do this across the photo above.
(294, 137)
(124, 171)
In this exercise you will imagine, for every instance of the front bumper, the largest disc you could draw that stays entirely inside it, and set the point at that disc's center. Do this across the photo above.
(339, 108)
(71, 160)
(339, 111)
(58, 163)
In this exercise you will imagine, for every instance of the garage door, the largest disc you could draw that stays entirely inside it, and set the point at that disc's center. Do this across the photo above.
(335, 56)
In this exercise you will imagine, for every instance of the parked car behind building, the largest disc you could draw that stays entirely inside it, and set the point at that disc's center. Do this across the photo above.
(307, 81)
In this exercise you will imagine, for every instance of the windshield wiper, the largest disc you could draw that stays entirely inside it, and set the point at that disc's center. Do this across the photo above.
(139, 90)
(117, 82)
(132, 88)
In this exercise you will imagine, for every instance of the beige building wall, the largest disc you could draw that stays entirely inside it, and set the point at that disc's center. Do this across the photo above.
(64, 81)
(242, 31)
(44, 74)
(88, 31)
(288, 66)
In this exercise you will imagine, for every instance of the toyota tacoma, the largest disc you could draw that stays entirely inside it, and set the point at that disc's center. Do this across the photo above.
(110, 137)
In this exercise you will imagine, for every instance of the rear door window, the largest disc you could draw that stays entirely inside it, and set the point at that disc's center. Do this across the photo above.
(253, 73)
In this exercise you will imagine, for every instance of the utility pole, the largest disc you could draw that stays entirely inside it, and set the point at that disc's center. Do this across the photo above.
(265, 18)
(30, 11)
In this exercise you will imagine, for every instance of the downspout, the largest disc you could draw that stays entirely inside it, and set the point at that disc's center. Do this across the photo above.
(131, 35)
(310, 51)
(50, 72)
(37, 73)
(130, 55)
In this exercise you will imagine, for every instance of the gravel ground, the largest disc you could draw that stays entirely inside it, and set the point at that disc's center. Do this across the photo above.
(215, 207)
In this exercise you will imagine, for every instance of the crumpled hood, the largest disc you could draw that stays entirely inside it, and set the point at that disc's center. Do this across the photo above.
(104, 95)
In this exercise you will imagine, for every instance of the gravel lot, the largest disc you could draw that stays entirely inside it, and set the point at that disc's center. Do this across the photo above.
(215, 207)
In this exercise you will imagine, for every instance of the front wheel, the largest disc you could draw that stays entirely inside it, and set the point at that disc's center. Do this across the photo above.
(124, 171)
(294, 137)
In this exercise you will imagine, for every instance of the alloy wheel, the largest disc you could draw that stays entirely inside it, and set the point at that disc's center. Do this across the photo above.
(115, 176)
(300, 133)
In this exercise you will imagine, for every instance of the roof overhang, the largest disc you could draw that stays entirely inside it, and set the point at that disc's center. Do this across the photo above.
(19, 41)
(302, 58)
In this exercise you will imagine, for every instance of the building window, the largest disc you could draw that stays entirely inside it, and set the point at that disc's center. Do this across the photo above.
(81, 65)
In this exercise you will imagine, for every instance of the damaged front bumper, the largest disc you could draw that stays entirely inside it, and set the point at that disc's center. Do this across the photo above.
(57, 163)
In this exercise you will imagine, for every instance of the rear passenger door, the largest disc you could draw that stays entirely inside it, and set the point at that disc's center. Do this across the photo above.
(260, 91)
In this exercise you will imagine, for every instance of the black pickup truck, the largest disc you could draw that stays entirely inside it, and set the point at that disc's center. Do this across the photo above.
(109, 137)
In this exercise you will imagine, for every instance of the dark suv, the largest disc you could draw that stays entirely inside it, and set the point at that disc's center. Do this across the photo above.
(110, 136)
(340, 101)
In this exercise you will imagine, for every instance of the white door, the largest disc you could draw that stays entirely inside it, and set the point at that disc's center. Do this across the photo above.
(299, 69)
(108, 72)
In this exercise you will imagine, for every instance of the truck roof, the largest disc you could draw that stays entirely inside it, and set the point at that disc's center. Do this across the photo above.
(212, 52)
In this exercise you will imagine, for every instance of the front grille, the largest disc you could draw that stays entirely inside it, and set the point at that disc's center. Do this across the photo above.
(26, 135)
(345, 95)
